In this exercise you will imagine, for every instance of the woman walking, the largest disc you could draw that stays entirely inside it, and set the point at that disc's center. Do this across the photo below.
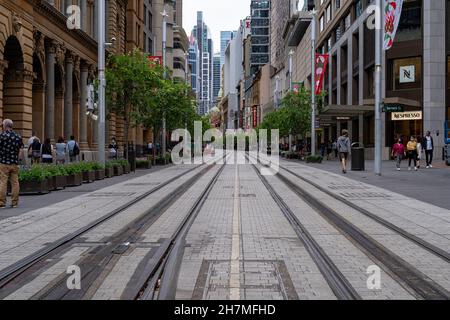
(411, 148)
(61, 149)
(47, 151)
(398, 152)
(343, 145)
(419, 151)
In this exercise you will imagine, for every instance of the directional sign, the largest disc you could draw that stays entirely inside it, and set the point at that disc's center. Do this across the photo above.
(393, 108)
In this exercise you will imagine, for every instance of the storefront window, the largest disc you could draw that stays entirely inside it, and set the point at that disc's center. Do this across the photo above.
(410, 25)
(407, 73)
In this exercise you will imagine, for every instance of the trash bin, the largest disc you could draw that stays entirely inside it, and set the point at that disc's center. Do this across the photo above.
(358, 161)
(132, 157)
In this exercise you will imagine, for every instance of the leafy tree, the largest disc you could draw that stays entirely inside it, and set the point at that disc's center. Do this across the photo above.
(130, 86)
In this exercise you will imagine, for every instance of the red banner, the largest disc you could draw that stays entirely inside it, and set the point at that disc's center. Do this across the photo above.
(255, 117)
(156, 59)
(321, 68)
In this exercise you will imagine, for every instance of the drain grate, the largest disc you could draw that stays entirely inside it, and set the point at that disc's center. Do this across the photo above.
(142, 184)
(111, 194)
(247, 195)
(365, 195)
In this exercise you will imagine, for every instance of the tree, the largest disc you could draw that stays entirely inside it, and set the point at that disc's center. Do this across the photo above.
(130, 86)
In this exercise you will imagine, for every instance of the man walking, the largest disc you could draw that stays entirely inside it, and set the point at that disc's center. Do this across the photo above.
(428, 146)
(10, 147)
(73, 149)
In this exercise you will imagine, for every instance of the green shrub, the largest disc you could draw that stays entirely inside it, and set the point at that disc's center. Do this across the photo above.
(35, 173)
(73, 168)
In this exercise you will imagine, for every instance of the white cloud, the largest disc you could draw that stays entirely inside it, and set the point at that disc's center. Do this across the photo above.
(219, 15)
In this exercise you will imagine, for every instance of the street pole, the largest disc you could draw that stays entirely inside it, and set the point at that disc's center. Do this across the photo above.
(291, 53)
(378, 58)
(313, 83)
(164, 40)
(102, 81)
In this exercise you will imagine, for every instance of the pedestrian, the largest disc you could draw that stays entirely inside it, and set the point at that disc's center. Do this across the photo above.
(335, 149)
(113, 148)
(30, 142)
(47, 151)
(322, 149)
(35, 149)
(73, 149)
(411, 148)
(419, 151)
(343, 146)
(11, 145)
(61, 151)
(428, 146)
(398, 152)
(150, 148)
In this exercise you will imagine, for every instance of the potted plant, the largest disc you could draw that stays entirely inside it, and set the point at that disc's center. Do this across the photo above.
(99, 170)
(58, 177)
(109, 170)
(118, 169)
(74, 175)
(34, 180)
(87, 172)
(143, 164)
(126, 166)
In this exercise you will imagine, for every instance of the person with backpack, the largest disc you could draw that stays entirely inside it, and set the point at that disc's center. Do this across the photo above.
(34, 151)
(73, 149)
(398, 152)
(344, 146)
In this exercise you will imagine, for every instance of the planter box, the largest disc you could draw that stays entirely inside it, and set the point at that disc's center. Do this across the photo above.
(99, 174)
(126, 169)
(118, 171)
(109, 172)
(74, 180)
(88, 176)
(34, 187)
(58, 182)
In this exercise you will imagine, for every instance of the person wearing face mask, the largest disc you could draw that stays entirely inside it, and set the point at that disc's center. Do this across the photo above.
(398, 152)
(411, 148)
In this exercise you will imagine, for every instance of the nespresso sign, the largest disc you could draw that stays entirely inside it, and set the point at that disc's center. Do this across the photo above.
(410, 115)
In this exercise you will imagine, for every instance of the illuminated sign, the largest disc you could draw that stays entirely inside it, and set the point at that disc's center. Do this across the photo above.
(411, 115)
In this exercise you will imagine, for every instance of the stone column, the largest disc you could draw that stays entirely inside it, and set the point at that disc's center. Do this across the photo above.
(330, 79)
(361, 128)
(361, 64)
(338, 128)
(350, 70)
(68, 97)
(50, 92)
(434, 68)
(84, 15)
(94, 27)
(338, 75)
(350, 128)
(83, 98)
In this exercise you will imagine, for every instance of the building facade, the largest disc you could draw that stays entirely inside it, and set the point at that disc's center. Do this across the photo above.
(260, 34)
(414, 77)
(216, 77)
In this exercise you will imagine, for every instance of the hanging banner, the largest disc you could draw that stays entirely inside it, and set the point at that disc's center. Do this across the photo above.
(392, 13)
(255, 117)
(321, 68)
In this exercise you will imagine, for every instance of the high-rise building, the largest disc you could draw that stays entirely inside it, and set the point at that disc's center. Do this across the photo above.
(260, 34)
(205, 55)
(194, 66)
(225, 37)
(216, 77)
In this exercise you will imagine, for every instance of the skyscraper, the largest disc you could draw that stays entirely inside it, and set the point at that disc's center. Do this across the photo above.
(205, 55)
(216, 76)
(260, 34)
(194, 65)
(225, 37)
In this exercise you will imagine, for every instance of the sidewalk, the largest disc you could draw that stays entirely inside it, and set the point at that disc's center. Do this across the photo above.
(31, 202)
(428, 185)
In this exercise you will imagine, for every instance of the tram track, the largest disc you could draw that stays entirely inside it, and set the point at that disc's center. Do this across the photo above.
(340, 286)
(18, 270)
(417, 282)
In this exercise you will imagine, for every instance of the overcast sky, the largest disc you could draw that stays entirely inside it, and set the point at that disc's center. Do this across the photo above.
(219, 15)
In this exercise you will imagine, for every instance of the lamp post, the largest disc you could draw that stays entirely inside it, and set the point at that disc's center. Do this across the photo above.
(102, 81)
(378, 58)
(164, 40)
(291, 53)
(313, 82)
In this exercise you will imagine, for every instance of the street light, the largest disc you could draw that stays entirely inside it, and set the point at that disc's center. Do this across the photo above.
(378, 58)
(291, 53)
(102, 81)
(313, 81)
(164, 40)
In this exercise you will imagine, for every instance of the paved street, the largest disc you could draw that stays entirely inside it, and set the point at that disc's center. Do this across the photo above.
(226, 232)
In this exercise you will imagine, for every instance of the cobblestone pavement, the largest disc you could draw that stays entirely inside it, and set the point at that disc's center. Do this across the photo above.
(241, 246)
